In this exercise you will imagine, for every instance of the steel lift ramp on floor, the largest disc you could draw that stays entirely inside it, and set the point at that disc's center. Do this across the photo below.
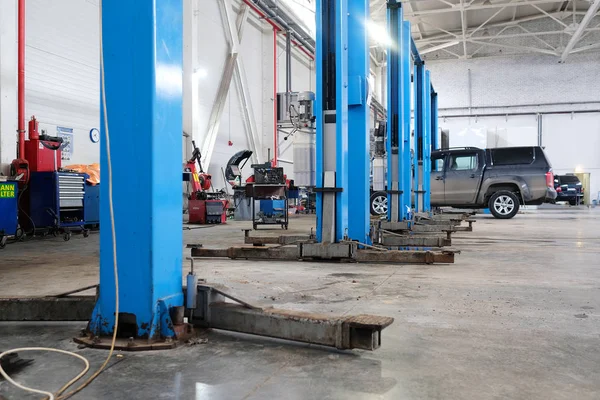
(213, 308)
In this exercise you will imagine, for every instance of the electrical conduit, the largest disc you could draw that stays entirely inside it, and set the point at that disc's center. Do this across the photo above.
(21, 79)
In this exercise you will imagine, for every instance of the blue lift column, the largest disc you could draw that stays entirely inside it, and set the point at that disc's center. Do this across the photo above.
(398, 138)
(420, 122)
(423, 137)
(342, 121)
(142, 47)
(358, 122)
(434, 120)
(426, 149)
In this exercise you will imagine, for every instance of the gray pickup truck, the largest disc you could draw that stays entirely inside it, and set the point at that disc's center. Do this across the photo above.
(501, 179)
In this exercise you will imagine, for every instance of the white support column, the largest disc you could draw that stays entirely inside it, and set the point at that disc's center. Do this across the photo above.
(247, 110)
(8, 84)
(463, 24)
(268, 87)
(234, 29)
(190, 83)
(591, 13)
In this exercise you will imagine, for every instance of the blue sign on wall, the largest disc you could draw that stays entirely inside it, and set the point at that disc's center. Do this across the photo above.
(67, 146)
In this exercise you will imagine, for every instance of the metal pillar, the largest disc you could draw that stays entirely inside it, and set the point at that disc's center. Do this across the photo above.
(405, 78)
(342, 118)
(424, 136)
(420, 122)
(144, 97)
(434, 121)
(358, 121)
(426, 150)
(427, 140)
(398, 140)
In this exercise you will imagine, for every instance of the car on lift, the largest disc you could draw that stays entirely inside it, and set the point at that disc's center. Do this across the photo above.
(569, 188)
(501, 179)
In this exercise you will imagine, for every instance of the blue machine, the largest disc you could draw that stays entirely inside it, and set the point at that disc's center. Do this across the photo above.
(272, 208)
(342, 135)
(143, 95)
(9, 194)
(56, 201)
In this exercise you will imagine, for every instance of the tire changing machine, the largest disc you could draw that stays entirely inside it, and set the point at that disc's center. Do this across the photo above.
(143, 95)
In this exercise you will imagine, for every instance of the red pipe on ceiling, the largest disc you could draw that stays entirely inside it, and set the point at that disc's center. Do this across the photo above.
(21, 79)
(277, 27)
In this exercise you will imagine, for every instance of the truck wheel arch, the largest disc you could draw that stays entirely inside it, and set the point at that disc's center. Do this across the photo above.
(493, 187)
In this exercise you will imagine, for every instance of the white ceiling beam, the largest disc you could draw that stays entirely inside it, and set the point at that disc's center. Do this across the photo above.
(587, 47)
(441, 1)
(234, 29)
(491, 18)
(590, 30)
(421, 43)
(463, 25)
(537, 37)
(450, 35)
(437, 28)
(472, 7)
(514, 47)
(550, 15)
(497, 35)
(591, 13)
(409, 8)
(438, 47)
(451, 53)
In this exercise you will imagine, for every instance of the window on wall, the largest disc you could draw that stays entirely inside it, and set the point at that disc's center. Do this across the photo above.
(463, 162)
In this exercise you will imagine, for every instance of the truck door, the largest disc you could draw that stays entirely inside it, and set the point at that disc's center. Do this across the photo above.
(438, 161)
(463, 174)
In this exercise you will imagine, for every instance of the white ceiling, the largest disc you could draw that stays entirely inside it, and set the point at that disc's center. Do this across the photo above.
(464, 29)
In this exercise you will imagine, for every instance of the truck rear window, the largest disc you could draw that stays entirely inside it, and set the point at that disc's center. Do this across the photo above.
(513, 155)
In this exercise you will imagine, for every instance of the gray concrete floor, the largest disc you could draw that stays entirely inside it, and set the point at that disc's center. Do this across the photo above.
(517, 316)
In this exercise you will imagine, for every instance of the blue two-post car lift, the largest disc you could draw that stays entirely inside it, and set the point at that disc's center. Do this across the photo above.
(144, 95)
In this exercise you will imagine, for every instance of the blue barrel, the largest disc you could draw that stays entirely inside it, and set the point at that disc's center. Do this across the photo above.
(9, 194)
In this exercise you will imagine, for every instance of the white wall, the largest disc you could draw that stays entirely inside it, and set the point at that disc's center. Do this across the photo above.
(517, 81)
(62, 73)
(572, 143)
(533, 85)
(62, 76)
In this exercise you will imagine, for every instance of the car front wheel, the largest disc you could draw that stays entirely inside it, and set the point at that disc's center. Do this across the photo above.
(504, 204)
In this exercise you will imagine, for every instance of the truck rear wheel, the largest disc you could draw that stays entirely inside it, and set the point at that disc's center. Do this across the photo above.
(379, 203)
(504, 204)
